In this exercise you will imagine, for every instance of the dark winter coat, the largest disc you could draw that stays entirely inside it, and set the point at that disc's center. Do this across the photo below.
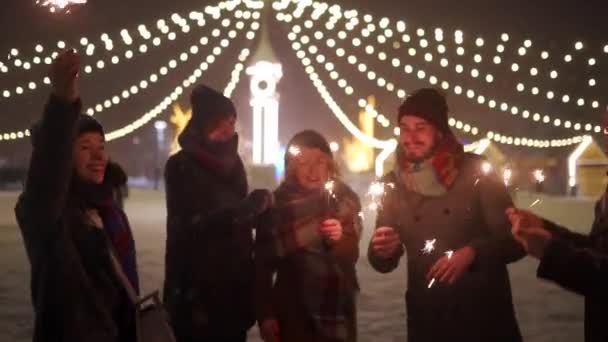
(209, 263)
(75, 293)
(479, 306)
(580, 263)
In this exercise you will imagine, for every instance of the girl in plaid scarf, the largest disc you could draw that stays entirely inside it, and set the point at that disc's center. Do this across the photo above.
(306, 250)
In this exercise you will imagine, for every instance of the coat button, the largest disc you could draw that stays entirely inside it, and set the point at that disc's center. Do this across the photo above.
(446, 211)
(417, 218)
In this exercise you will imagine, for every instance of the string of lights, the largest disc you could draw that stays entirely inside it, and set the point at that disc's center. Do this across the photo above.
(342, 83)
(470, 94)
(163, 71)
(179, 90)
(16, 59)
(216, 51)
(115, 59)
(333, 105)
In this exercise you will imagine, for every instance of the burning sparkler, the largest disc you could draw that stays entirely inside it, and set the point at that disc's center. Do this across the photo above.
(294, 151)
(539, 176)
(429, 246)
(377, 191)
(535, 203)
(449, 255)
(486, 168)
(506, 176)
(329, 188)
(55, 6)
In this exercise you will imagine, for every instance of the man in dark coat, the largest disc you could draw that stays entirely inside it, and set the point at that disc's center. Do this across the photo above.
(447, 209)
(575, 261)
(209, 261)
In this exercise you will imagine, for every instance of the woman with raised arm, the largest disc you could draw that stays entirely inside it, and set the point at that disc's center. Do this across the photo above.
(75, 234)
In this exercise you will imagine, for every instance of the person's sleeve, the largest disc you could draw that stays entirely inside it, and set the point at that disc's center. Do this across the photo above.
(498, 247)
(582, 270)
(50, 171)
(386, 218)
(265, 268)
(575, 239)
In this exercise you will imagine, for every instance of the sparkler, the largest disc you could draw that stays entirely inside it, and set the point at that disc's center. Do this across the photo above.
(539, 176)
(59, 5)
(538, 201)
(506, 176)
(294, 151)
(429, 246)
(485, 170)
(377, 191)
(449, 255)
(329, 188)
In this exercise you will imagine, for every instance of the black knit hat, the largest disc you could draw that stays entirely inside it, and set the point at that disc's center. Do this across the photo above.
(209, 106)
(85, 124)
(310, 139)
(429, 104)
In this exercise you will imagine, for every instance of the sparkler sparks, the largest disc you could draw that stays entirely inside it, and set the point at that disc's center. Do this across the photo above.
(506, 176)
(486, 168)
(377, 191)
(449, 255)
(294, 151)
(539, 176)
(59, 5)
(429, 246)
(535, 203)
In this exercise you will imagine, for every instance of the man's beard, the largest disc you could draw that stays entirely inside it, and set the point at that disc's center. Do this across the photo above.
(411, 158)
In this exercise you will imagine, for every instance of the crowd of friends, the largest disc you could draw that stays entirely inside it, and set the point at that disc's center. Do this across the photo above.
(285, 258)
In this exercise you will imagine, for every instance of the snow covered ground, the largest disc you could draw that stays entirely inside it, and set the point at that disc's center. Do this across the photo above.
(545, 312)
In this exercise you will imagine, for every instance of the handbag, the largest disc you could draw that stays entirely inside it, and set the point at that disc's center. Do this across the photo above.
(151, 318)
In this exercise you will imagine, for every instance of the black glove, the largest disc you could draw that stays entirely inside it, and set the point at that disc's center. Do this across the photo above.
(254, 205)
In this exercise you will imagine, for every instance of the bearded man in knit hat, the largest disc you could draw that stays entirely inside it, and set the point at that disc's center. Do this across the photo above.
(447, 212)
(209, 266)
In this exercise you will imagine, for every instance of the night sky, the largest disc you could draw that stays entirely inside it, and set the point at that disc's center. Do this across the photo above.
(551, 25)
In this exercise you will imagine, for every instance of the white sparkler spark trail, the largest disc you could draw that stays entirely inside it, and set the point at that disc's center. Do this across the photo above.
(59, 5)
(377, 191)
(294, 151)
(535, 203)
(429, 246)
(449, 255)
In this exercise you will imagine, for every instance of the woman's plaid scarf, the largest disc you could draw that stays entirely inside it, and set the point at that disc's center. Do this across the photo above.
(327, 294)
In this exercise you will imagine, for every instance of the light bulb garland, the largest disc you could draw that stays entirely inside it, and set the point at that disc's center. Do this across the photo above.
(478, 98)
(99, 65)
(113, 100)
(500, 138)
(176, 93)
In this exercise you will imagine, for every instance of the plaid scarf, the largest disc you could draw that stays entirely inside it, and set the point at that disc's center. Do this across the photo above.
(115, 224)
(325, 290)
(444, 164)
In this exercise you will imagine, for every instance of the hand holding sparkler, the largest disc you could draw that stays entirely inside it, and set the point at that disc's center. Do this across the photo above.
(530, 231)
(452, 266)
(64, 76)
(385, 242)
(331, 229)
